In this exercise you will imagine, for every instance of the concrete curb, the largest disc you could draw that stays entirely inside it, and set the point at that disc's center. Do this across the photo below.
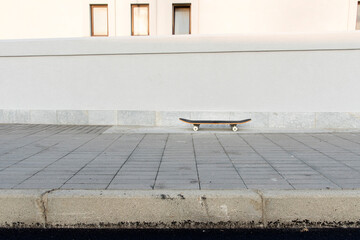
(179, 209)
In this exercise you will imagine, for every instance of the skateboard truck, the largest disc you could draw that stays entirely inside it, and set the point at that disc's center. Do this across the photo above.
(233, 127)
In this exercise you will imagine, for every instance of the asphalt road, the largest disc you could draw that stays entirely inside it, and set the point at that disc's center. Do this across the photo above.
(257, 234)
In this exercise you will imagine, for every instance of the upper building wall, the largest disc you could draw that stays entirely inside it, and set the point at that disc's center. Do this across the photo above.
(49, 18)
(69, 18)
(268, 16)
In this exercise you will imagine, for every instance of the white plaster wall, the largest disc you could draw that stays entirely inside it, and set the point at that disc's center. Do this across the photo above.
(256, 16)
(41, 18)
(49, 19)
(352, 15)
(68, 18)
(227, 73)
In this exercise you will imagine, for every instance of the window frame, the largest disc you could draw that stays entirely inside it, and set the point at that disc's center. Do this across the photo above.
(133, 5)
(92, 6)
(181, 5)
(357, 28)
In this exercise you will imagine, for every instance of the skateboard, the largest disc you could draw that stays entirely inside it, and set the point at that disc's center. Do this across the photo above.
(233, 124)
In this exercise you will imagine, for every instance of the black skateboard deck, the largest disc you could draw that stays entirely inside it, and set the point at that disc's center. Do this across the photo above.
(232, 123)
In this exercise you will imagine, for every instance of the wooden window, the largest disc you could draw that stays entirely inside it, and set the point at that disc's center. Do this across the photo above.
(140, 19)
(181, 19)
(99, 20)
(358, 17)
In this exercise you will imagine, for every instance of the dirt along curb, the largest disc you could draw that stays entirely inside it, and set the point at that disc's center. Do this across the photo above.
(179, 209)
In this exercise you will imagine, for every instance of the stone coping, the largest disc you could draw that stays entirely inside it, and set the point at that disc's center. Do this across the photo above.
(179, 209)
(260, 120)
(181, 44)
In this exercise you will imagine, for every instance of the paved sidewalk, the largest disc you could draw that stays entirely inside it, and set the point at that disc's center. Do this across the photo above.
(84, 157)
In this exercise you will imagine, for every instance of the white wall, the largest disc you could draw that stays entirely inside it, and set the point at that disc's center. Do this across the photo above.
(68, 18)
(281, 73)
(49, 19)
(41, 18)
(256, 16)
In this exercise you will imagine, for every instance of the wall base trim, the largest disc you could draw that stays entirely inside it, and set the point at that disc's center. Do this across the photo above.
(293, 120)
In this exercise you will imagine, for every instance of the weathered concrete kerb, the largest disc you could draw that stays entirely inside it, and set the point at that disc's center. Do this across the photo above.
(179, 209)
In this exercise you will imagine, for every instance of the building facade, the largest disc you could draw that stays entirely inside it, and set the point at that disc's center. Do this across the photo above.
(21, 19)
(283, 63)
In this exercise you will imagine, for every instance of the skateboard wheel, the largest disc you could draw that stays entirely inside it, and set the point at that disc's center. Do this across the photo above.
(195, 128)
(234, 128)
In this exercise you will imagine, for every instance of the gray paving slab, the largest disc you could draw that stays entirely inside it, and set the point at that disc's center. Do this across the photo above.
(90, 157)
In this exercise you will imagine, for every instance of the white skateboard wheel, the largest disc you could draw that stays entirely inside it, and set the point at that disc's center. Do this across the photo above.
(195, 128)
(234, 128)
